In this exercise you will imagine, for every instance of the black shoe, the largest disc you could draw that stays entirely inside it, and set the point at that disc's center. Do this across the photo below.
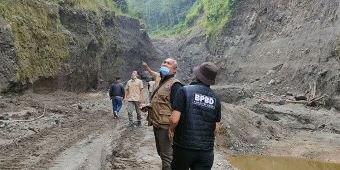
(115, 114)
(138, 123)
(130, 124)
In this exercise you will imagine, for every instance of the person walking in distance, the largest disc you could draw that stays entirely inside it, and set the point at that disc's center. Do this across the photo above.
(195, 120)
(134, 96)
(117, 94)
(151, 85)
(161, 107)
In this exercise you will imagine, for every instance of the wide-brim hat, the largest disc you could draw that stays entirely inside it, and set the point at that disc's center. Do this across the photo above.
(206, 73)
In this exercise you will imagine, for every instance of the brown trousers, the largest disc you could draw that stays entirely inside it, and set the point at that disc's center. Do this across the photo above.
(164, 147)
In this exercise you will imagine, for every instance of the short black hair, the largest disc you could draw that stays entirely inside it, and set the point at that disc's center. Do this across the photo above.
(118, 78)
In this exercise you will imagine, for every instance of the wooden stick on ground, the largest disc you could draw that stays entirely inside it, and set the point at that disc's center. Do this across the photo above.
(315, 99)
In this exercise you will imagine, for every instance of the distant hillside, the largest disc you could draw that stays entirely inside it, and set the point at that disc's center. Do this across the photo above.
(171, 17)
(160, 15)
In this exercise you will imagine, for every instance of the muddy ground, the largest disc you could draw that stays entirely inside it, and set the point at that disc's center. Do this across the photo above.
(62, 130)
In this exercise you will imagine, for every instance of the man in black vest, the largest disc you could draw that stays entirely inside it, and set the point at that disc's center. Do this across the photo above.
(194, 121)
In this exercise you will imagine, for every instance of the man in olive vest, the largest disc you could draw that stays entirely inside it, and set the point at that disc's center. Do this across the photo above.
(195, 120)
(161, 108)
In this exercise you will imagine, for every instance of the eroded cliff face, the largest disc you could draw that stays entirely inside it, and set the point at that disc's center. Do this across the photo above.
(58, 46)
(8, 65)
(277, 46)
(292, 43)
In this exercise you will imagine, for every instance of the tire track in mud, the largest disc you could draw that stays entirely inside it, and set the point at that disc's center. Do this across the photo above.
(38, 150)
(90, 153)
(135, 150)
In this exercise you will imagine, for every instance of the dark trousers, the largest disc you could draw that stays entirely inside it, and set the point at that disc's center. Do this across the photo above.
(117, 103)
(163, 146)
(195, 160)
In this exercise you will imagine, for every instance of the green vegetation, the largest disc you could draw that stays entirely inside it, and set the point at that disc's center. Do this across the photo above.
(194, 13)
(213, 15)
(217, 13)
(122, 5)
(93, 5)
(169, 17)
(192, 16)
(41, 43)
(160, 14)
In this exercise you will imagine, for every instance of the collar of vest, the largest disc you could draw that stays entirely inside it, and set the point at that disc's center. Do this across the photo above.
(167, 77)
(198, 83)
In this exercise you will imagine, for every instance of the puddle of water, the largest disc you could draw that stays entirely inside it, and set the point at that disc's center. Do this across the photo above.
(279, 163)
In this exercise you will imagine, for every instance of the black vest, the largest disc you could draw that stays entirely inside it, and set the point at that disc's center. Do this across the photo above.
(196, 126)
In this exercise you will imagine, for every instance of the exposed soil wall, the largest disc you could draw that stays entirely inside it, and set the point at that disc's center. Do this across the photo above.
(277, 46)
(292, 43)
(74, 48)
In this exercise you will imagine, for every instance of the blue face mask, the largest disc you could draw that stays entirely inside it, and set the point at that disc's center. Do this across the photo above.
(164, 71)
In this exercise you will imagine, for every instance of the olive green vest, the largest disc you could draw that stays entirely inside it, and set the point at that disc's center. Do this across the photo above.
(161, 107)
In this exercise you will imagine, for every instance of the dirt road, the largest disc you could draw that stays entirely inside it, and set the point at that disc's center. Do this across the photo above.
(62, 130)
(74, 132)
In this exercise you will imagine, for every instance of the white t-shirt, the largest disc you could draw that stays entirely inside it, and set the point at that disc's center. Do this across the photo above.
(151, 86)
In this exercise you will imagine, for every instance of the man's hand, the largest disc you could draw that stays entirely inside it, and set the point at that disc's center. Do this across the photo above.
(218, 128)
(145, 107)
(174, 119)
(147, 67)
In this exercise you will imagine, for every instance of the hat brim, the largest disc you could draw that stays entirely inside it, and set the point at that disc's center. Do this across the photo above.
(201, 77)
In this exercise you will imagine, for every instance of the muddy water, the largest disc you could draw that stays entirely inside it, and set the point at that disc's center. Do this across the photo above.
(279, 163)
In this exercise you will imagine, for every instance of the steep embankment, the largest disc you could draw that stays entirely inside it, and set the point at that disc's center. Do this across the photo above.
(292, 43)
(289, 44)
(73, 45)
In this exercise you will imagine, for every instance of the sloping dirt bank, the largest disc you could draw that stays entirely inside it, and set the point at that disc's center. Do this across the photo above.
(285, 129)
